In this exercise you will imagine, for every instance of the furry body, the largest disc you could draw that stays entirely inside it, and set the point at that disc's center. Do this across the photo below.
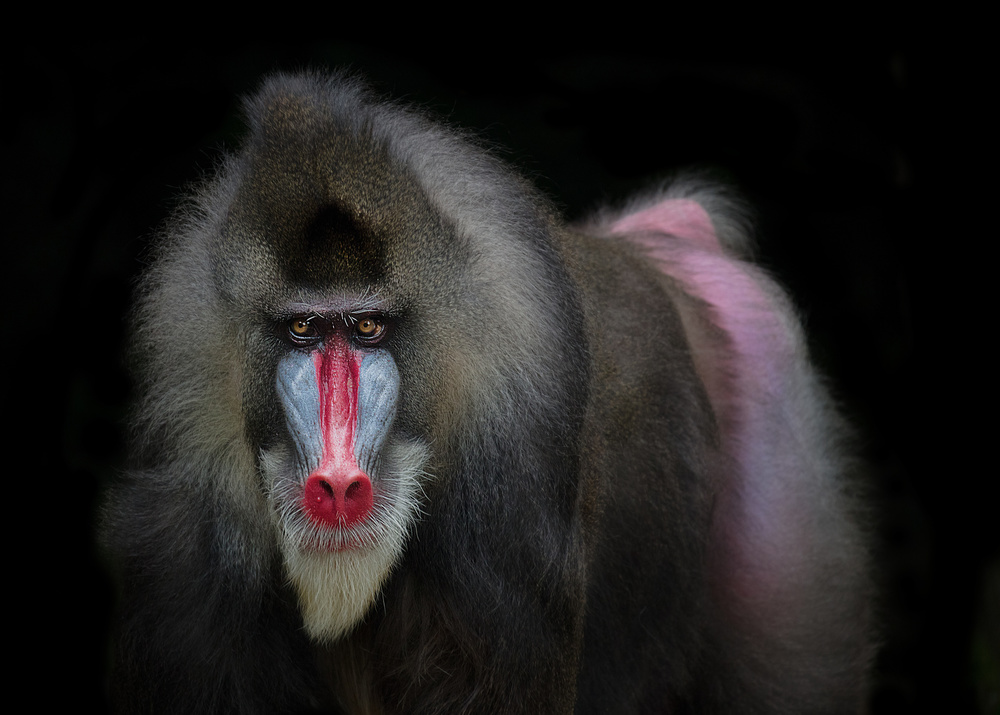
(608, 481)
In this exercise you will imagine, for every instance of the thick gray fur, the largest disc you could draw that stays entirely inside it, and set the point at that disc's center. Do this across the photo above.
(562, 521)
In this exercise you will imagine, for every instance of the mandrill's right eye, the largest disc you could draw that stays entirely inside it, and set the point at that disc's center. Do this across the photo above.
(302, 331)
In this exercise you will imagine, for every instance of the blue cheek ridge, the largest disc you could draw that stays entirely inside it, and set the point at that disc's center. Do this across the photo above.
(378, 395)
(299, 396)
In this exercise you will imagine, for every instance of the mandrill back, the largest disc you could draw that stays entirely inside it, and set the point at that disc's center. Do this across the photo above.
(405, 442)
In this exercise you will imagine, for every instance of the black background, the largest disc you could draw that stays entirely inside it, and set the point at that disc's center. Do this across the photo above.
(866, 155)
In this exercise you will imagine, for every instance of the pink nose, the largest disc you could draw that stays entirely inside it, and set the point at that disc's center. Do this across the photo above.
(338, 500)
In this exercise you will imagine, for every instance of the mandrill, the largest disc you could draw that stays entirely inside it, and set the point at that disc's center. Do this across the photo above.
(406, 442)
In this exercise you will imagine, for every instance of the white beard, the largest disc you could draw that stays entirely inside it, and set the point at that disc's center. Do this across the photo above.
(338, 573)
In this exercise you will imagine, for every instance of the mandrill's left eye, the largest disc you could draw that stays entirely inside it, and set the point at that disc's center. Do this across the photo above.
(369, 329)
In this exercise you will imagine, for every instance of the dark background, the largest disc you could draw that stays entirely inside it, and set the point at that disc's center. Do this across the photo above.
(866, 156)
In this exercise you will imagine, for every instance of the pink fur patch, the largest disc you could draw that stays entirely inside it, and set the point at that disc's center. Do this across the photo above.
(683, 218)
(753, 376)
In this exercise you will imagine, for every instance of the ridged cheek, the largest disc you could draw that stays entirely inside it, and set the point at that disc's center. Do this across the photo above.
(378, 395)
(299, 395)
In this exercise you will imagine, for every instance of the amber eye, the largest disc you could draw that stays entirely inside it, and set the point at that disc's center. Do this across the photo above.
(302, 329)
(369, 329)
